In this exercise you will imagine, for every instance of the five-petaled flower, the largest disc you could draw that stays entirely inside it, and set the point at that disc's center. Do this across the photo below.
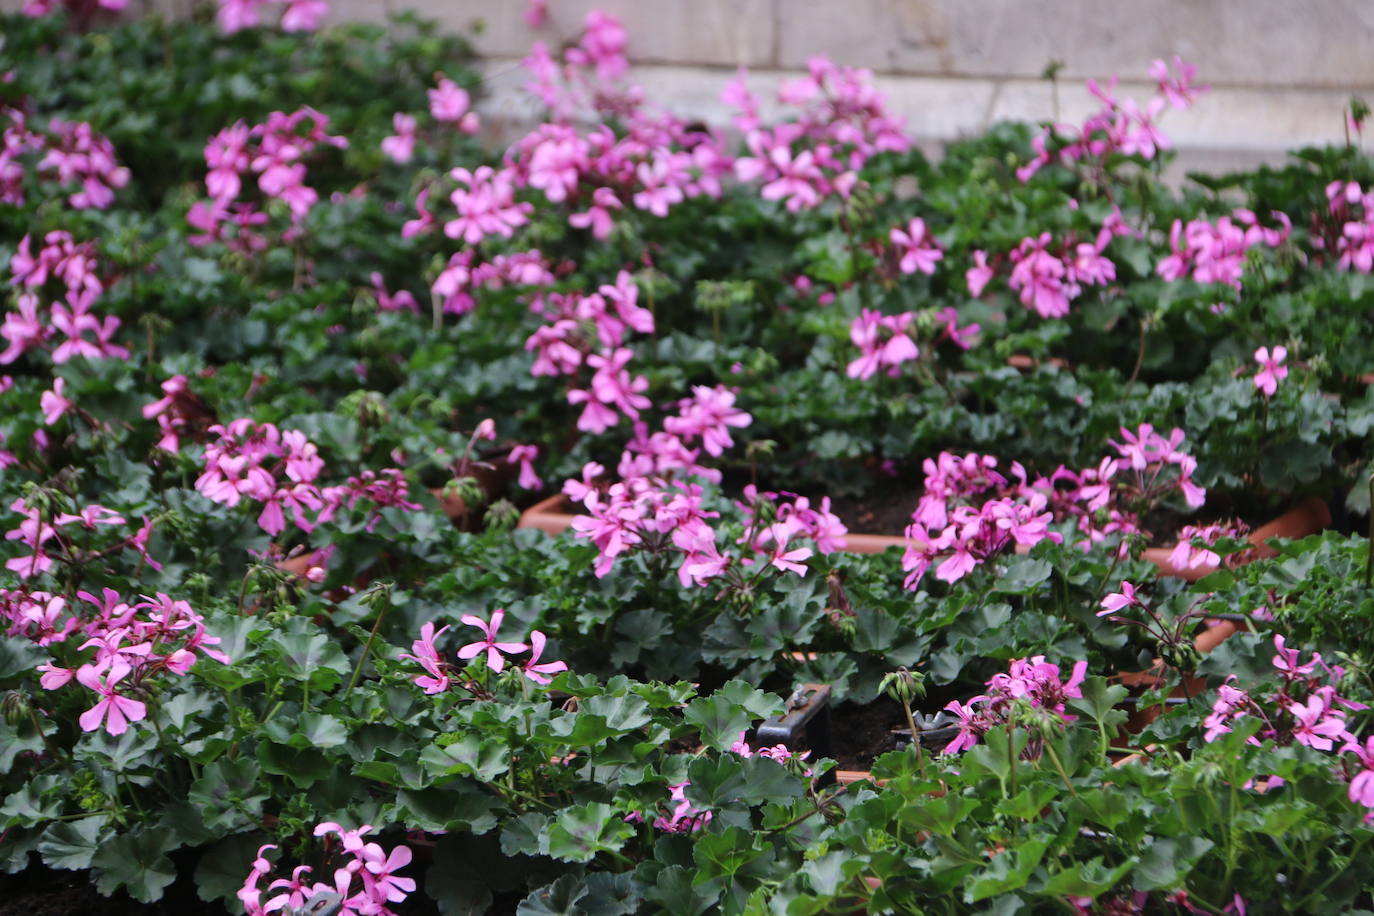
(489, 644)
(1272, 370)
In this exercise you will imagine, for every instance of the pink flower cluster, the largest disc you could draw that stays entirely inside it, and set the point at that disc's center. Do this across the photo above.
(297, 16)
(449, 103)
(131, 643)
(439, 674)
(1353, 211)
(464, 275)
(1047, 281)
(885, 341)
(839, 121)
(1104, 500)
(37, 531)
(779, 753)
(177, 412)
(363, 885)
(589, 76)
(279, 470)
(1304, 709)
(578, 324)
(1215, 252)
(63, 274)
(1031, 682)
(275, 151)
(69, 153)
(1193, 550)
(655, 508)
(1110, 498)
(948, 528)
(1119, 127)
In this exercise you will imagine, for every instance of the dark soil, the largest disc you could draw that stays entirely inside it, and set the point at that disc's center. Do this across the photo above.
(887, 513)
(39, 891)
(859, 734)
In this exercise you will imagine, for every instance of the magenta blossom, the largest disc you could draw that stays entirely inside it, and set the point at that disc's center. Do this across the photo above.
(489, 643)
(1117, 601)
(113, 710)
(539, 671)
(1272, 371)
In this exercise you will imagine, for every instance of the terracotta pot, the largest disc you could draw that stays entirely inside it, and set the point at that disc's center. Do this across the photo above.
(1308, 517)
(551, 515)
(1026, 363)
(1204, 643)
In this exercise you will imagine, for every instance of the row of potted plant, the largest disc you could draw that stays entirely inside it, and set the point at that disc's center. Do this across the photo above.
(284, 372)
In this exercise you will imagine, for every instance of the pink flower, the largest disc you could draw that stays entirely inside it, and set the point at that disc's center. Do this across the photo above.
(449, 103)
(1316, 723)
(427, 655)
(539, 671)
(918, 250)
(979, 275)
(883, 343)
(53, 404)
(1272, 370)
(489, 644)
(304, 15)
(1115, 602)
(783, 559)
(524, 455)
(536, 13)
(401, 146)
(378, 875)
(115, 711)
(1362, 783)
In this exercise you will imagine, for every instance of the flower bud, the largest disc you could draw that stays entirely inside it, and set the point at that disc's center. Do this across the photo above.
(904, 685)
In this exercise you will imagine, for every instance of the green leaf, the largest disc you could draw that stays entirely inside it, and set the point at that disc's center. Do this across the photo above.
(726, 780)
(71, 844)
(1008, 871)
(675, 894)
(136, 862)
(1087, 879)
(826, 873)
(219, 873)
(18, 656)
(475, 755)
(312, 656)
(1166, 862)
(582, 831)
(729, 854)
(760, 705)
(1023, 576)
(303, 766)
(229, 793)
(526, 835)
(557, 899)
(719, 720)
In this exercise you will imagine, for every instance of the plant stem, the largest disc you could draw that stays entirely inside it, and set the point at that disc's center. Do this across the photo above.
(915, 738)
(1059, 765)
(371, 638)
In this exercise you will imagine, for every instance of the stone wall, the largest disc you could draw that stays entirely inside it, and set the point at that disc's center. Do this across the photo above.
(1281, 71)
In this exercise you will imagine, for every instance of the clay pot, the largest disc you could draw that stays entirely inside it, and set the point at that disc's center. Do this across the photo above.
(1308, 517)
(552, 515)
